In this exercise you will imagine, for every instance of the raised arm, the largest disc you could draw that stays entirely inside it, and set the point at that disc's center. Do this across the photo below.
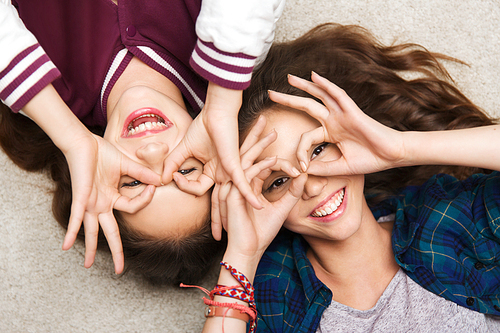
(368, 146)
(250, 231)
(233, 37)
(26, 73)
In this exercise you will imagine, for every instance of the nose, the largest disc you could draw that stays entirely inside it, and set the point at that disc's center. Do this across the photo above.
(153, 154)
(313, 187)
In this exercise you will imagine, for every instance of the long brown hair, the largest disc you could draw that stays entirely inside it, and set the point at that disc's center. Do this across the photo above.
(161, 261)
(402, 86)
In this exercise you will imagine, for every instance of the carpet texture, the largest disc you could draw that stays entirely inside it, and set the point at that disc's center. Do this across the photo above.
(43, 289)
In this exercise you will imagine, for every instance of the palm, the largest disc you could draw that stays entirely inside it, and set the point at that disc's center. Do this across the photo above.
(96, 168)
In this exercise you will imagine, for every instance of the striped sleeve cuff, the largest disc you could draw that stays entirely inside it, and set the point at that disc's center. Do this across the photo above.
(28, 73)
(229, 70)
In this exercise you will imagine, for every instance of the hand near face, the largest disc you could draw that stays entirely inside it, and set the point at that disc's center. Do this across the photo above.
(366, 145)
(96, 168)
(250, 150)
(251, 230)
(212, 138)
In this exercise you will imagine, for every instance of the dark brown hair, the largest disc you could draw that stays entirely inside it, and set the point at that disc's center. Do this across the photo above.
(402, 86)
(161, 261)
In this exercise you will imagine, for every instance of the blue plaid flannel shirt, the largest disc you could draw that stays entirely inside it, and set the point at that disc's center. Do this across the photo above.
(445, 238)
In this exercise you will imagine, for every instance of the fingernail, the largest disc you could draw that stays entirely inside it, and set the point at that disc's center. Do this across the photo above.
(303, 166)
(295, 172)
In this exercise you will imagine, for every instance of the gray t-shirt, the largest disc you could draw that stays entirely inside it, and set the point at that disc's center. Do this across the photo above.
(407, 307)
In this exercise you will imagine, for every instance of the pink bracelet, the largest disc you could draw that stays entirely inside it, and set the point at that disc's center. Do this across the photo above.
(245, 295)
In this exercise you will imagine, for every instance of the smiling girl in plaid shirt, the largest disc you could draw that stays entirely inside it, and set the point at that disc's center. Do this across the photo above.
(423, 259)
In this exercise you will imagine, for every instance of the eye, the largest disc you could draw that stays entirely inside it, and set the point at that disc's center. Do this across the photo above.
(277, 184)
(318, 150)
(133, 183)
(186, 172)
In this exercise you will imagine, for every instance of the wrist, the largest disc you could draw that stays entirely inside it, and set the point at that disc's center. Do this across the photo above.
(415, 148)
(220, 98)
(243, 263)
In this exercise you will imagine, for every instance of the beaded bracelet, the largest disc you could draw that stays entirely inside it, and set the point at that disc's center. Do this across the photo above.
(245, 295)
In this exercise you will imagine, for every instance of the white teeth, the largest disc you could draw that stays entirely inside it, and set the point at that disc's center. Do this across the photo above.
(145, 127)
(331, 206)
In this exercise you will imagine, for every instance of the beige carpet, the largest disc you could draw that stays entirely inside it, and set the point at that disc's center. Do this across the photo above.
(43, 289)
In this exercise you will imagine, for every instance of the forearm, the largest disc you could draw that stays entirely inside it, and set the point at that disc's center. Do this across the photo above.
(474, 147)
(49, 111)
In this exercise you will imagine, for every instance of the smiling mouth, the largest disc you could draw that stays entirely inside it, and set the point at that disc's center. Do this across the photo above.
(144, 121)
(330, 206)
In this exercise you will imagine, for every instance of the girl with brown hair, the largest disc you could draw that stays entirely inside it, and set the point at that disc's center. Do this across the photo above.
(361, 252)
(137, 76)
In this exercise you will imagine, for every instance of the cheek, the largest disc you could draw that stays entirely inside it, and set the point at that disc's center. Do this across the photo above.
(294, 221)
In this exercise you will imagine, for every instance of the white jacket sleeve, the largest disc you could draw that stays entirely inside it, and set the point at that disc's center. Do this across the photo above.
(233, 37)
(25, 68)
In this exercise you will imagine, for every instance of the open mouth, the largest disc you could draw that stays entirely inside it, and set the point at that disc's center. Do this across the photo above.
(145, 121)
(330, 206)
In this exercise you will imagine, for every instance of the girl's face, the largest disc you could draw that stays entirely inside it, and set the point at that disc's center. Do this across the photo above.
(330, 207)
(145, 125)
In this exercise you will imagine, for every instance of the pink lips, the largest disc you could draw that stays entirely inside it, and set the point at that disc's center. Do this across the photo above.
(337, 213)
(141, 112)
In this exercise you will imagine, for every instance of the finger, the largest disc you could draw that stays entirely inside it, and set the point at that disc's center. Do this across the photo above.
(254, 134)
(308, 139)
(306, 104)
(197, 187)
(242, 183)
(223, 194)
(229, 154)
(216, 220)
(91, 233)
(317, 90)
(173, 162)
(112, 233)
(339, 99)
(255, 170)
(331, 168)
(252, 153)
(139, 172)
(332, 93)
(73, 229)
(271, 164)
(80, 193)
(132, 206)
